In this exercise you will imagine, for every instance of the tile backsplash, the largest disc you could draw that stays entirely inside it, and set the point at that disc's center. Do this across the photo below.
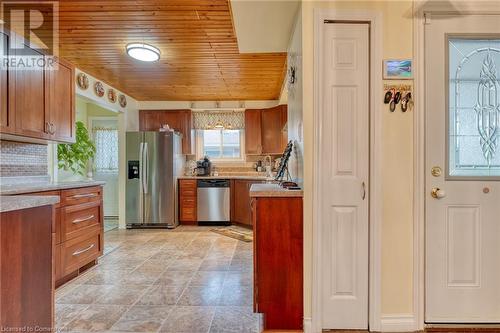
(22, 159)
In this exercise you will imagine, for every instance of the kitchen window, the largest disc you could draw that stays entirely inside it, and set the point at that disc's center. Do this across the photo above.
(221, 144)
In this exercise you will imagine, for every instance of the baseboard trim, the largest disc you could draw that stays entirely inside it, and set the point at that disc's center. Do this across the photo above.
(308, 325)
(398, 323)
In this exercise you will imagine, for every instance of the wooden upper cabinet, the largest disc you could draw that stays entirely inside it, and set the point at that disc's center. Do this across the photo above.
(149, 121)
(180, 120)
(29, 100)
(6, 121)
(37, 103)
(272, 130)
(253, 139)
(61, 102)
(264, 130)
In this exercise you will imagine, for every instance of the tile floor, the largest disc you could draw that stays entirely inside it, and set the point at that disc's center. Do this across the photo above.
(187, 280)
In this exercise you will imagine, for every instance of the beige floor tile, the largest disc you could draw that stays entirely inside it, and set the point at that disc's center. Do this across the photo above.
(235, 319)
(241, 278)
(236, 295)
(215, 265)
(64, 313)
(175, 278)
(189, 319)
(208, 278)
(185, 265)
(161, 295)
(84, 294)
(141, 318)
(122, 295)
(96, 318)
(205, 295)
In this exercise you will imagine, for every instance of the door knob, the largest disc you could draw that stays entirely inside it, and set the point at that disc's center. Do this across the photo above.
(438, 193)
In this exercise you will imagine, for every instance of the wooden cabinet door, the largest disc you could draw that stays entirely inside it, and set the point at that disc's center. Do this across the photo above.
(29, 100)
(6, 118)
(272, 130)
(242, 210)
(61, 102)
(149, 121)
(181, 121)
(253, 143)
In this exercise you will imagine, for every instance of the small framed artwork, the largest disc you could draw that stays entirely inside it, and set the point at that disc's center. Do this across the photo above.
(398, 69)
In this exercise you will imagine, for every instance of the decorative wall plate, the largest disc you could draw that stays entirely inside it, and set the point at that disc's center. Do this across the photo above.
(99, 89)
(82, 80)
(112, 95)
(122, 100)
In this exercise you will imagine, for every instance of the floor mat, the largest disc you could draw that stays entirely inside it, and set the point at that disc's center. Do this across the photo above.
(242, 234)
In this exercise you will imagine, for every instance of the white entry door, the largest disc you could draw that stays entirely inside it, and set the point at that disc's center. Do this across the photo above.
(344, 170)
(462, 110)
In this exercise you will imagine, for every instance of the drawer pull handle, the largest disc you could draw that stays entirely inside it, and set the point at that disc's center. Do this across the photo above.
(84, 250)
(88, 195)
(83, 220)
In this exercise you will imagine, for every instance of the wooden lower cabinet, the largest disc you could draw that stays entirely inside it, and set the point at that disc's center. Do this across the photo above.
(188, 201)
(278, 261)
(78, 230)
(240, 194)
(26, 274)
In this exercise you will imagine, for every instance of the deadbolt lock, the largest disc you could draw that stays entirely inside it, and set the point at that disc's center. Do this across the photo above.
(436, 171)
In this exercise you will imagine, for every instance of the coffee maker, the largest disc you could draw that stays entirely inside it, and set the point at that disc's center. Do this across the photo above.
(203, 167)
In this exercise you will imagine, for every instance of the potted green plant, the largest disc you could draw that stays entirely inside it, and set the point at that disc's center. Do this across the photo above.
(75, 157)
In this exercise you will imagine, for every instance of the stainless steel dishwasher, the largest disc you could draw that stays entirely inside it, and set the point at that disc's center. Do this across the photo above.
(214, 201)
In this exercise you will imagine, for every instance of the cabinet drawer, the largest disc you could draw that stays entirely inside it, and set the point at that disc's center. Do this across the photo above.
(81, 195)
(77, 219)
(189, 192)
(188, 214)
(187, 184)
(80, 251)
(187, 202)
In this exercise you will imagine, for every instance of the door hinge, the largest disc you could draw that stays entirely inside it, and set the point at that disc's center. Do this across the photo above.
(427, 18)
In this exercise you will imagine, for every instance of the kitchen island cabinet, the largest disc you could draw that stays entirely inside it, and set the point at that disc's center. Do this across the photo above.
(27, 240)
(78, 224)
(278, 256)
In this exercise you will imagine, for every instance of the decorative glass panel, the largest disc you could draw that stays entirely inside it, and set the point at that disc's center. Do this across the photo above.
(474, 107)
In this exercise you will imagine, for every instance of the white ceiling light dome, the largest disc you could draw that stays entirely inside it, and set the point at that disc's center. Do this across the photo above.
(143, 52)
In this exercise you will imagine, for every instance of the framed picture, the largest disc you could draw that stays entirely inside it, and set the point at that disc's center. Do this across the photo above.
(398, 69)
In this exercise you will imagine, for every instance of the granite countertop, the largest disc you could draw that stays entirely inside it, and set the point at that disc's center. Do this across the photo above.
(273, 190)
(22, 188)
(18, 202)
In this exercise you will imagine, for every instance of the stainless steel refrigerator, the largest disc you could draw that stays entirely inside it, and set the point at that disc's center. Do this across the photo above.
(154, 162)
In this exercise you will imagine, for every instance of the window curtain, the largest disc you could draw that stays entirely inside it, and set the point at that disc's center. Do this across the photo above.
(106, 157)
(217, 119)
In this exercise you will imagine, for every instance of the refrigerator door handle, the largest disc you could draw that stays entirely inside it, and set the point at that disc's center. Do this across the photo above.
(141, 164)
(146, 168)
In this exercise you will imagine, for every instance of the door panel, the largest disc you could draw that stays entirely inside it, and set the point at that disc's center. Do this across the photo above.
(61, 102)
(134, 198)
(253, 139)
(462, 58)
(344, 182)
(30, 99)
(272, 127)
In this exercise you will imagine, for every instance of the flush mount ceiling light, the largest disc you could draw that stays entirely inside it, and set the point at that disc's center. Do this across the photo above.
(143, 52)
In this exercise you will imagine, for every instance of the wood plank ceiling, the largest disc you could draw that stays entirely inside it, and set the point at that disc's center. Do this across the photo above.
(199, 51)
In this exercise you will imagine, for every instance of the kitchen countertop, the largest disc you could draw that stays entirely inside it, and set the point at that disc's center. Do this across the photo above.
(273, 190)
(243, 177)
(18, 202)
(22, 188)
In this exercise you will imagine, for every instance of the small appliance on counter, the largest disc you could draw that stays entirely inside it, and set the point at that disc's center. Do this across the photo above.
(203, 167)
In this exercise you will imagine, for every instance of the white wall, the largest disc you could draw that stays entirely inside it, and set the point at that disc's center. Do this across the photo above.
(128, 120)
